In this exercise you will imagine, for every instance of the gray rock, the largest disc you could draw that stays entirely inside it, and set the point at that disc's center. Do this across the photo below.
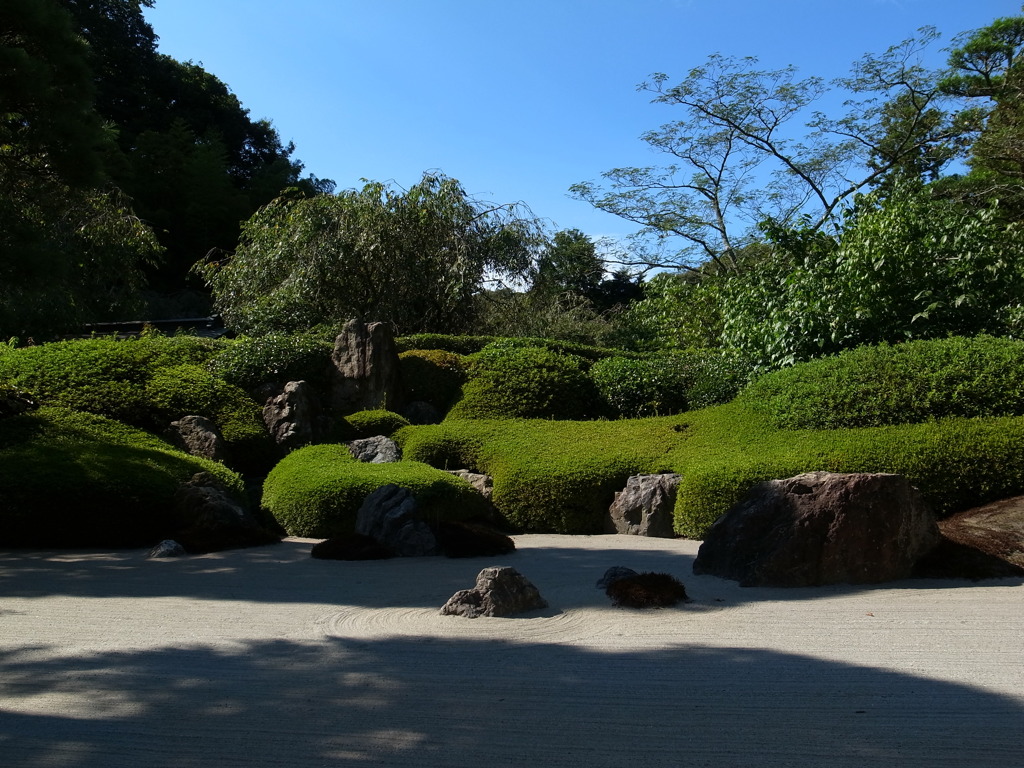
(390, 516)
(364, 372)
(375, 450)
(199, 436)
(167, 548)
(645, 507)
(615, 573)
(821, 528)
(293, 416)
(483, 483)
(499, 591)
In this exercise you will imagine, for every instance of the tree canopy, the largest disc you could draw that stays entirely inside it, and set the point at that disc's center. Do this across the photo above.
(413, 258)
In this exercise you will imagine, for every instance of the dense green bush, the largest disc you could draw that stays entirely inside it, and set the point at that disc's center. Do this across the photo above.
(433, 376)
(73, 479)
(363, 424)
(527, 382)
(460, 345)
(250, 361)
(634, 388)
(316, 491)
(903, 383)
(105, 376)
(468, 345)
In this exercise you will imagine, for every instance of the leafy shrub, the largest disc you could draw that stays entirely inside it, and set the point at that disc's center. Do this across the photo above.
(73, 479)
(105, 376)
(459, 345)
(317, 490)
(527, 383)
(904, 383)
(363, 424)
(250, 361)
(433, 375)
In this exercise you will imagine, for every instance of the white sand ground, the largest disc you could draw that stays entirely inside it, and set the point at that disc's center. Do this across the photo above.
(266, 657)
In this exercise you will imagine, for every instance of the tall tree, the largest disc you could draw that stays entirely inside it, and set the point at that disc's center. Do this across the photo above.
(738, 156)
(413, 258)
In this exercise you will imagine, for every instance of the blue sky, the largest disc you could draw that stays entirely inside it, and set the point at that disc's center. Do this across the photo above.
(518, 100)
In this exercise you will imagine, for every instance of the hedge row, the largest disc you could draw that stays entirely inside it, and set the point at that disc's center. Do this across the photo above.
(561, 476)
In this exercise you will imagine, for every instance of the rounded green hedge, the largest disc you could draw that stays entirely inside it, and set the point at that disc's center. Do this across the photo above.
(72, 479)
(363, 424)
(316, 491)
(530, 382)
(251, 361)
(905, 383)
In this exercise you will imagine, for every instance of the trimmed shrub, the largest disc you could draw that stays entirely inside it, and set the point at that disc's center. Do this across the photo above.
(105, 376)
(896, 384)
(363, 424)
(468, 345)
(460, 345)
(433, 376)
(527, 383)
(72, 479)
(561, 477)
(251, 361)
(669, 383)
(317, 490)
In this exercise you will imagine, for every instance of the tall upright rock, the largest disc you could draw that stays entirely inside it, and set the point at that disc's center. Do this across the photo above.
(364, 369)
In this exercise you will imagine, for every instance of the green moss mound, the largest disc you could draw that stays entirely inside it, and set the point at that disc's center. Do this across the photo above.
(363, 424)
(316, 491)
(907, 383)
(561, 477)
(74, 479)
(529, 382)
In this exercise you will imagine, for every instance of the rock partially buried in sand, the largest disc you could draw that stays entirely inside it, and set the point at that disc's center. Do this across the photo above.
(499, 591)
(167, 548)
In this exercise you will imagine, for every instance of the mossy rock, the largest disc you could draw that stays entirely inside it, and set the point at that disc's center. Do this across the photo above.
(317, 490)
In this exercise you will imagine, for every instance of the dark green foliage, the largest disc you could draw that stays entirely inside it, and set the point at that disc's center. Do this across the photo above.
(73, 479)
(363, 424)
(316, 491)
(899, 384)
(146, 382)
(669, 383)
(529, 382)
(460, 345)
(433, 376)
(250, 361)
(100, 375)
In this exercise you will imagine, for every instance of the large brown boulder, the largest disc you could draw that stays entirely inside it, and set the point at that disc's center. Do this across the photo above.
(982, 543)
(364, 370)
(198, 436)
(821, 528)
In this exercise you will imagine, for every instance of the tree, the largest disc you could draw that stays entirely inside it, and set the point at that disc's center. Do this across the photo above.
(187, 151)
(70, 252)
(736, 160)
(988, 69)
(907, 266)
(412, 258)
